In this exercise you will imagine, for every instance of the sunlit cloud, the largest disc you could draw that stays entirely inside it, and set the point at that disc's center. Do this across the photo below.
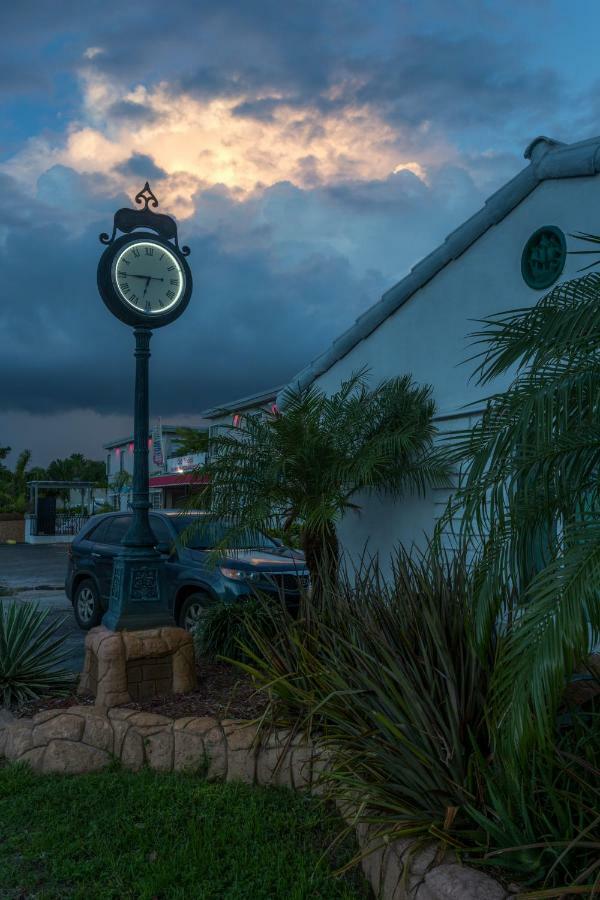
(91, 52)
(200, 143)
(414, 167)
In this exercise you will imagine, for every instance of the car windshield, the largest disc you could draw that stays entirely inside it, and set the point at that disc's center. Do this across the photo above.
(199, 535)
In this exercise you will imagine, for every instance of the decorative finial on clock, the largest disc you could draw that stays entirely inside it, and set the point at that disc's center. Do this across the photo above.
(146, 197)
(127, 220)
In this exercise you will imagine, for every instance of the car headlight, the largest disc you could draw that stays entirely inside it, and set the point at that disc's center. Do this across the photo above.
(239, 574)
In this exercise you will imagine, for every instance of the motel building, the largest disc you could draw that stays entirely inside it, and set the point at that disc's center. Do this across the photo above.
(228, 414)
(173, 478)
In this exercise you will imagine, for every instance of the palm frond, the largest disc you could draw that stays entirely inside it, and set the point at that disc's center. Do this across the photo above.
(558, 623)
(529, 492)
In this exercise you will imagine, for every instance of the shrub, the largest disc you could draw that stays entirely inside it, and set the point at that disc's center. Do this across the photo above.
(540, 819)
(225, 628)
(30, 655)
(390, 677)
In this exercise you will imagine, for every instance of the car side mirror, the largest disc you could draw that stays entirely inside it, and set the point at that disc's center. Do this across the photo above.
(165, 548)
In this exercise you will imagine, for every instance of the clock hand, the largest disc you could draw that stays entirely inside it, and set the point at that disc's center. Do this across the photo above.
(147, 277)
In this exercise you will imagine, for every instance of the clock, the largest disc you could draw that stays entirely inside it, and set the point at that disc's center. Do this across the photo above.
(144, 280)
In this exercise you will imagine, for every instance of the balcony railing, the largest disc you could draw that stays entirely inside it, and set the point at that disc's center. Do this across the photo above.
(60, 524)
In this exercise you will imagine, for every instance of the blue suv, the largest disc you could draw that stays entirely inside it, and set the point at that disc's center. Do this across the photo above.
(255, 563)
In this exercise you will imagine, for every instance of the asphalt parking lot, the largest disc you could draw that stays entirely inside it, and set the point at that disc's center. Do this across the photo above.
(33, 565)
(36, 574)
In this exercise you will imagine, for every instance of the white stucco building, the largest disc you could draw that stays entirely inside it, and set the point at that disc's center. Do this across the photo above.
(422, 324)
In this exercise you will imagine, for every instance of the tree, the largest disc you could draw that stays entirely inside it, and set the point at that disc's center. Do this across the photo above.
(191, 440)
(531, 492)
(5, 473)
(13, 485)
(20, 477)
(77, 467)
(310, 463)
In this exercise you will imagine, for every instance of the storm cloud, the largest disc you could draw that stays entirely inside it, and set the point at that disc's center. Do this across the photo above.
(313, 152)
(276, 277)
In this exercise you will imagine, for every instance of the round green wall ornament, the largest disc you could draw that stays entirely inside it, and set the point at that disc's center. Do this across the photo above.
(543, 258)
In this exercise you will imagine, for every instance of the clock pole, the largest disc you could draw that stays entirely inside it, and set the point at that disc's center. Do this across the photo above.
(140, 534)
(138, 595)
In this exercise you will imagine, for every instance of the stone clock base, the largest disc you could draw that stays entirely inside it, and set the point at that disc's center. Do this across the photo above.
(125, 666)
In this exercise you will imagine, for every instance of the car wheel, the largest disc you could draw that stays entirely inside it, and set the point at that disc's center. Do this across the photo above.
(193, 609)
(86, 605)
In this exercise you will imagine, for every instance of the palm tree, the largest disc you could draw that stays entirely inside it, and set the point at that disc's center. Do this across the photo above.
(309, 464)
(121, 481)
(531, 493)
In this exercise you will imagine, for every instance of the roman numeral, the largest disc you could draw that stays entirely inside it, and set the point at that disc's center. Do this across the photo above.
(133, 298)
(135, 252)
(170, 295)
(149, 251)
(148, 306)
(127, 261)
(122, 274)
(174, 281)
(160, 303)
(125, 288)
(160, 257)
(170, 268)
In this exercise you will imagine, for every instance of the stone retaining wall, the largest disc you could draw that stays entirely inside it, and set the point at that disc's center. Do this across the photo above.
(87, 738)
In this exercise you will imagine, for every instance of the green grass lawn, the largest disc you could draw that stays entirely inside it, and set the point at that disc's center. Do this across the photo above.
(121, 835)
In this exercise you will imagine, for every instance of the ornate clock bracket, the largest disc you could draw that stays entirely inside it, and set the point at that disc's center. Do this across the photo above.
(127, 220)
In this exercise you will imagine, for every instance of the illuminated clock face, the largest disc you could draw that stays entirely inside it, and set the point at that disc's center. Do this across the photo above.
(148, 277)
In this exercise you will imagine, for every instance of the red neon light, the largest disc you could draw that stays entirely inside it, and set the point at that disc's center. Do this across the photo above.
(275, 409)
(236, 420)
(131, 448)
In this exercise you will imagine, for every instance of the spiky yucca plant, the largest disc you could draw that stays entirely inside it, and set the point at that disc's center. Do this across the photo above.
(388, 675)
(30, 655)
(531, 492)
(310, 463)
(539, 820)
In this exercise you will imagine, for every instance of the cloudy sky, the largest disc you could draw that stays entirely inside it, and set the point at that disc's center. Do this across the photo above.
(311, 151)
